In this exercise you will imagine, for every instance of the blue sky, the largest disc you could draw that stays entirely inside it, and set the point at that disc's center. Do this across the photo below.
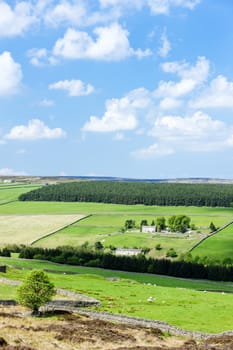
(128, 88)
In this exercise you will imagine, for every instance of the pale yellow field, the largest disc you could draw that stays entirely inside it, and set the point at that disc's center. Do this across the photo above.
(24, 229)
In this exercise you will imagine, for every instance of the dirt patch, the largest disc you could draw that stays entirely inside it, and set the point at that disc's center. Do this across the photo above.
(73, 331)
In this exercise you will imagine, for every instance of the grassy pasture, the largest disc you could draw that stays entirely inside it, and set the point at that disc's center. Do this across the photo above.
(105, 223)
(24, 229)
(186, 308)
(106, 228)
(218, 246)
(7, 291)
(107, 209)
(144, 278)
(177, 301)
(11, 192)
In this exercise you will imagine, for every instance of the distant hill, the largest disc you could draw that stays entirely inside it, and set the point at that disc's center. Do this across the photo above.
(58, 179)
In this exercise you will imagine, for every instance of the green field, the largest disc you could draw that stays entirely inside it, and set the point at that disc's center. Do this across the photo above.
(106, 209)
(218, 246)
(185, 303)
(128, 293)
(107, 230)
(24, 222)
(11, 192)
(24, 229)
(164, 281)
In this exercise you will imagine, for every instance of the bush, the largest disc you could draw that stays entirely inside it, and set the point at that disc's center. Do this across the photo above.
(171, 253)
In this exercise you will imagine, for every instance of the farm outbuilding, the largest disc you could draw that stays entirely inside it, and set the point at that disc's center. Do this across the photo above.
(148, 229)
(127, 251)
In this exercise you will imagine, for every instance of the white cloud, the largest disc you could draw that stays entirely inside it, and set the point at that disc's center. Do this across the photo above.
(199, 126)
(73, 87)
(36, 56)
(172, 89)
(196, 133)
(170, 103)
(72, 13)
(41, 57)
(198, 72)
(157, 7)
(16, 20)
(165, 47)
(35, 130)
(154, 150)
(10, 76)
(19, 18)
(110, 44)
(191, 77)
(11, 172)
(163, 7)
(46, 103)
(218, 95)
(121, 114)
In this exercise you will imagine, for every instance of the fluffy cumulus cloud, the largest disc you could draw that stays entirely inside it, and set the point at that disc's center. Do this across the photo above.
(198, 72)
(109, 43)
(17, 17)
(11, 74)
(196, 133)
(35, 130)
(73, 87)
(64, 11)
(198, 126)
(16, 20)
(121, 114)
(218, 95)
(191, 77)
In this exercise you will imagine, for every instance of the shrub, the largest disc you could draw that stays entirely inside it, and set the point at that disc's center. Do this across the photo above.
(171, 253)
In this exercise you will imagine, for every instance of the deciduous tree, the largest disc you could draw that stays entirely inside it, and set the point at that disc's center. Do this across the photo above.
(35, 291)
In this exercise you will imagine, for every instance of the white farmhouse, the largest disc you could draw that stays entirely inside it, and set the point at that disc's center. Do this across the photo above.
(148, 229)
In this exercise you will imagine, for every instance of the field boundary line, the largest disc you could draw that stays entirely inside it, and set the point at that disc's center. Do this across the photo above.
(57, 230)
(210, 235)
(8, 202)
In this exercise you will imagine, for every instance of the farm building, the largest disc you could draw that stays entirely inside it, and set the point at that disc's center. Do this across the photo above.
(127, 251)
(148, 229)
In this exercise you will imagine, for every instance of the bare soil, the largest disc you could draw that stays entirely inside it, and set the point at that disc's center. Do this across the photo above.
(20, 331)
